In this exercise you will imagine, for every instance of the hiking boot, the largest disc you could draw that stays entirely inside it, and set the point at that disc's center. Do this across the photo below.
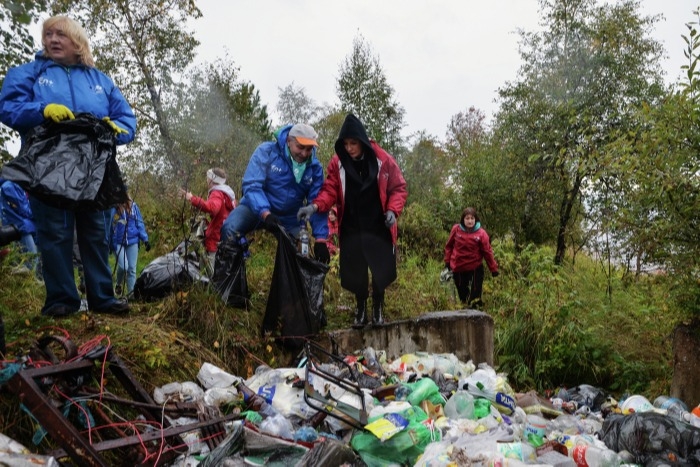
(59, 311)
(377, 311)
(119, 307)
(360, 314)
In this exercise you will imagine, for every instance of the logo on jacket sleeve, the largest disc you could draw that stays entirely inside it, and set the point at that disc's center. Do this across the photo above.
(44, 81)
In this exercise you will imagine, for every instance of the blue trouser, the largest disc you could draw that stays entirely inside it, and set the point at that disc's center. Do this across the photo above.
(243, 220)
(55, 228)
(127, 257)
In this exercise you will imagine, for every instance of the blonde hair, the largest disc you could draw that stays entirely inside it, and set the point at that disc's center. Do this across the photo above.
(74, 32)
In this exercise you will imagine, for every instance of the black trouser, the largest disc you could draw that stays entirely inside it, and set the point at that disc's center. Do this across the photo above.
(469, 286)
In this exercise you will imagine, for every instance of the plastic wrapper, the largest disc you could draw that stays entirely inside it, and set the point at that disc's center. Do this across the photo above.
(275, 386)
(651, 437)
(295, 302)
(460, 405)
(70, 165)
(211, 376)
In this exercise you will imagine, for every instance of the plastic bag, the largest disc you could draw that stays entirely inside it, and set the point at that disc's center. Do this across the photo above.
(229, 279)
(296, 295)
(70, 165)
(330, 452)
(167, 274)
(650, 437)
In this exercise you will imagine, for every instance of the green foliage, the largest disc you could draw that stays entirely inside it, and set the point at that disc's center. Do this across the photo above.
(218, 120)
(294, 106)
(581, 78)
(556, 328)
(144, 45)
(363, 90)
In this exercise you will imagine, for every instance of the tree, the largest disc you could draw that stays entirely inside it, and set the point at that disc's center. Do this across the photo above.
(18, 45)
(581, 79)
(294, 106)
(363, 90)
(144, 45)
(218, 120)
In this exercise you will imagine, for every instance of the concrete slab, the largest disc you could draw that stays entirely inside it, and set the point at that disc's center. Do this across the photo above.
(466, 333)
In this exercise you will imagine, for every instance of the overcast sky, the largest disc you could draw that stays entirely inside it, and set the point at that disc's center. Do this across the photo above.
(440, 56)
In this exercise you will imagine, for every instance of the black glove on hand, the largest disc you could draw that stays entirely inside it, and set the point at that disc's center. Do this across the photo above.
(321, 252)
(147, 245)
(495, 274)
(447, 266)
(272, 222)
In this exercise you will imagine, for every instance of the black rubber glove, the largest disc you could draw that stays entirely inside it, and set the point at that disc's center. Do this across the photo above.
(495, 274)
(321, 252)
(272, 222)
(147, 245)
(447, 266)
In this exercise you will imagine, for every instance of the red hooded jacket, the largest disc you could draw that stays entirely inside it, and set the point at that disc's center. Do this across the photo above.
(390, 181)
(219, 205)
(466, 251)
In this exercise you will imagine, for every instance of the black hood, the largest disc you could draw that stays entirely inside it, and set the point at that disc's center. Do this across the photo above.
(352, 128)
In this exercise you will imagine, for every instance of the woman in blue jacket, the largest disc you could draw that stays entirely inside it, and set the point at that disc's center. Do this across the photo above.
(15, 211)
(128, 230)
(60, 82)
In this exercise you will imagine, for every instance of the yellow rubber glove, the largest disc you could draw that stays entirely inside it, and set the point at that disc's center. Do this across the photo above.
(58, 112)
(117, 130)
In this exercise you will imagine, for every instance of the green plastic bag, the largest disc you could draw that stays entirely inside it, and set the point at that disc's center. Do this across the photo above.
(403, 448)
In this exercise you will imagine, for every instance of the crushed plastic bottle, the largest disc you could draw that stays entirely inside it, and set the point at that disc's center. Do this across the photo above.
(586, 456)
(304, 240)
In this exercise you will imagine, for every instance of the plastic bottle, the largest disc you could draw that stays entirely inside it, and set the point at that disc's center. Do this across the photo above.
(304, 240)
(254, 401)
(676, 409)
(664, 402)
(589, 456)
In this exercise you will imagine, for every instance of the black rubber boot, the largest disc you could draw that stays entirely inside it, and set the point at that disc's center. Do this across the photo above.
(9, 234)
(360, 314)
(377, 310)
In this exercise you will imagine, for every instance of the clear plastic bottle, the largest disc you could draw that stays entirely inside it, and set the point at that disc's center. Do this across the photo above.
(590, 456)
(304, 239)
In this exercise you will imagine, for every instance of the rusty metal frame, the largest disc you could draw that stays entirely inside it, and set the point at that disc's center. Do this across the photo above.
(356, 417)
(27, 385)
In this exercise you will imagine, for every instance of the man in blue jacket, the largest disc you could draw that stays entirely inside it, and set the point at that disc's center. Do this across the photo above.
(281, 176)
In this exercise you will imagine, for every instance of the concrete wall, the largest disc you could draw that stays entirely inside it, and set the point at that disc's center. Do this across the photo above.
(466, 333)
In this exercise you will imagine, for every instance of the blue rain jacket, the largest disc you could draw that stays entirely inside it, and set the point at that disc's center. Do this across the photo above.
(269, 185)
(29, 88)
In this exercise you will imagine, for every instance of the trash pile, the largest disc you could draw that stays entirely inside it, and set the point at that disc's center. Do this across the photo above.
(421, 409)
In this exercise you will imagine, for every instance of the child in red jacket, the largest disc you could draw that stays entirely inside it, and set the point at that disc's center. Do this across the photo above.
(465, 252)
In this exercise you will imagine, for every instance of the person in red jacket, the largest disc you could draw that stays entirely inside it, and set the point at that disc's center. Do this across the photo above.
(332, 242)
(221, 200)
(465, 252)
(367, 187)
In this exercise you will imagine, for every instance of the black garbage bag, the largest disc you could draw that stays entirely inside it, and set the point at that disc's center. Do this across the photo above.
(296, 295)
(70, 165)
(169, 273)
(329, 451)
(229, 278)
(652, 438)
(588, 395)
